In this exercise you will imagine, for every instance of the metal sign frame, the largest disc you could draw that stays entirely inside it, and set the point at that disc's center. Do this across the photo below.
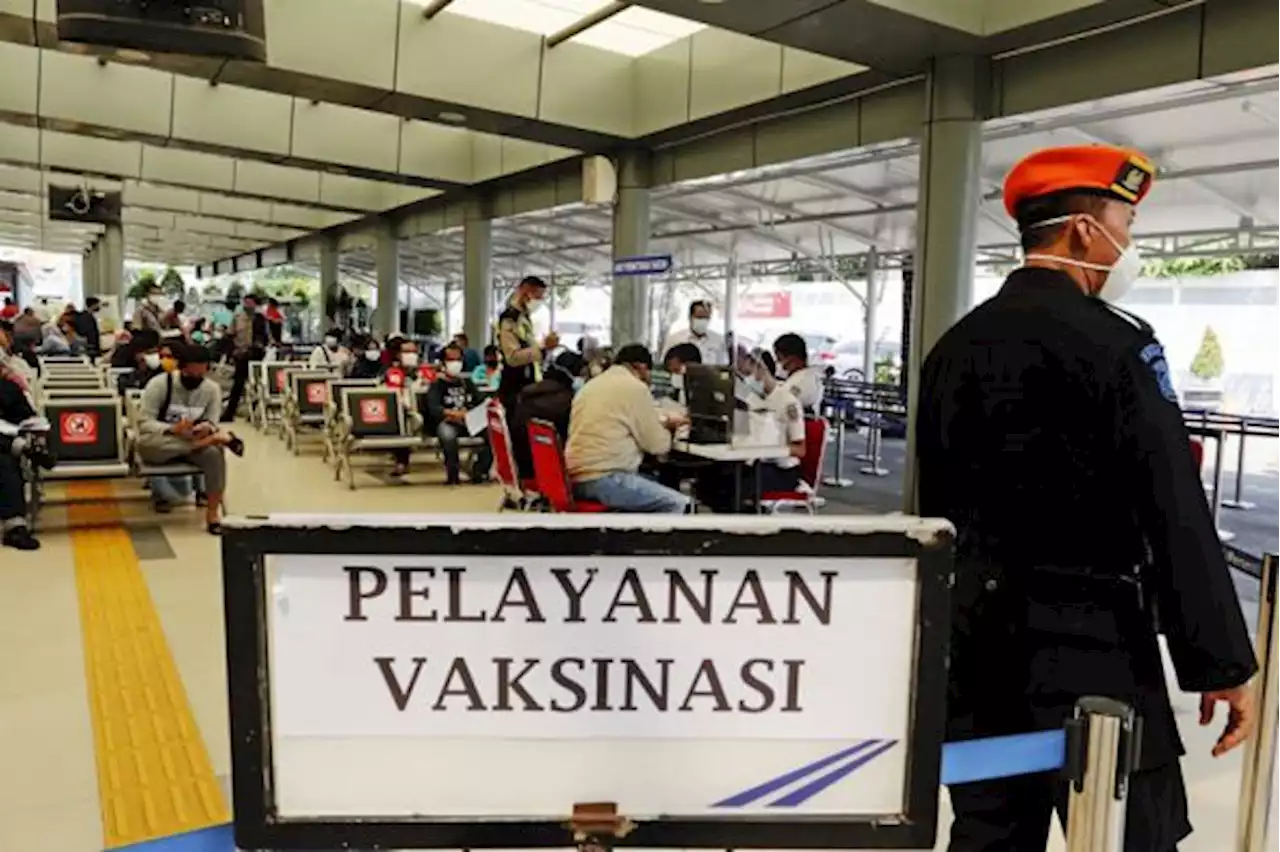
(247, 543)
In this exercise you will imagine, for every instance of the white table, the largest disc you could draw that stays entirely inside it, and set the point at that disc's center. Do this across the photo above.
(741, 453)
(736, 454)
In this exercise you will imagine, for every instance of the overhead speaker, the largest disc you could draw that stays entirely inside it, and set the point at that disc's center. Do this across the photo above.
(228, 29)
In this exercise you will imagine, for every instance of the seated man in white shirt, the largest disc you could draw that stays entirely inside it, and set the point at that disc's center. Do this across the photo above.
(789, 401)
(699, 333)
(797, 379)
(613, 424)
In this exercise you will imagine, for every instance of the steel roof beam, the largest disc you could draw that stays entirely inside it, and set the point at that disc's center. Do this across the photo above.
(586, 22)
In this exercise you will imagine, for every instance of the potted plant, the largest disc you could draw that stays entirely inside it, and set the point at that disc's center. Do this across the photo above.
(1204, 391)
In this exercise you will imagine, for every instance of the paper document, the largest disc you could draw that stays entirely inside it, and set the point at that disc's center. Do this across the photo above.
(477, 419)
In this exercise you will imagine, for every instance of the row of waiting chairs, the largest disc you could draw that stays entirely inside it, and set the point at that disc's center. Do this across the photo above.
(92, 429)
(351, 417)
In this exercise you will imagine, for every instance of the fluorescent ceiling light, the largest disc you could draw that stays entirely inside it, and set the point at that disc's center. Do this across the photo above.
(633, 32)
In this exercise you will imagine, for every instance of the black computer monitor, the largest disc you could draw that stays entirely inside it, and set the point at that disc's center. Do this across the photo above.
(708, 394)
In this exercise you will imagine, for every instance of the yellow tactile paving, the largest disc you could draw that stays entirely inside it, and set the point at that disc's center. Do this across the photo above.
(154, 774)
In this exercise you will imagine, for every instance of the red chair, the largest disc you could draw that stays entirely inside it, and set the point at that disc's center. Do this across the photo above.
(815, 456)
(550, 474)
(515, 493)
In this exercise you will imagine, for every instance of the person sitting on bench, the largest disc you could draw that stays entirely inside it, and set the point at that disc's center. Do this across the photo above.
(14, 409)
(178, 422)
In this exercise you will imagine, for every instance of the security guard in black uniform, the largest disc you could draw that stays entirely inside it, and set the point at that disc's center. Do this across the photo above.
(1048, 432)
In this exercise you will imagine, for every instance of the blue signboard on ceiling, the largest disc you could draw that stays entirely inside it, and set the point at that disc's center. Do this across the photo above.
(652, 264)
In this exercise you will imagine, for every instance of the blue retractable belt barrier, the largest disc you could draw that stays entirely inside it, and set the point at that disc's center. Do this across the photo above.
(962, 762)
(1003, 757)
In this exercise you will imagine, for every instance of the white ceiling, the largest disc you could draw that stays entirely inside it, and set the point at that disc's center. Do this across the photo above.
(1215, 144)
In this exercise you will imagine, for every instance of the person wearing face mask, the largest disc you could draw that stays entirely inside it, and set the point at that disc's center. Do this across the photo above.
(488, 375)
(250, 336)
(550, 399)
(449, 399)
(613, 425)
(791, 377)
(331, 353)
(143, 354)
(177, 419)
(521, 351)
(369, 364)
(699, 333)
(149, 314)
(1048, 432)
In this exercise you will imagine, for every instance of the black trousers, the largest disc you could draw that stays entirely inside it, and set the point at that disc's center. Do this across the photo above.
(238, 381)
(1012, 814)
(13, 502)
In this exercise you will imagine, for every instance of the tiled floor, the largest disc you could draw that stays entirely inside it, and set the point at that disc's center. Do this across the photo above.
(49, 798)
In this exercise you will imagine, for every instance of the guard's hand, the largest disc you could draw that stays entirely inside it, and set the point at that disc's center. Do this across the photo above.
(1242, 716)
(551, 341)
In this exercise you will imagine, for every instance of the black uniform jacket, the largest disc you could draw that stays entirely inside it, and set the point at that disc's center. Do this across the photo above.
(1048, 432)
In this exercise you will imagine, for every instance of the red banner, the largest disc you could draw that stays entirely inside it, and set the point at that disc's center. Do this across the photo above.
(775, 305)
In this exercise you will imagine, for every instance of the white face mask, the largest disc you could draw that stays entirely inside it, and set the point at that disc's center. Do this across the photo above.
(331, 342)
(755, 386)
(677, 381)
(152, 360)
(453, 368)
(409, 359)
(372, 354)
(699, 325)
(532, 305)
(1121, 275)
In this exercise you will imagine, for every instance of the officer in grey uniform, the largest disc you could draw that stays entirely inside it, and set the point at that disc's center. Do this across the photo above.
(1048, 432)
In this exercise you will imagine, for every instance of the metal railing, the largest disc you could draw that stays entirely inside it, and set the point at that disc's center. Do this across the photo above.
(1257, 821)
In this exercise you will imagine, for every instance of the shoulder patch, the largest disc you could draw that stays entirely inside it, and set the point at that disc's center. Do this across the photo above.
(1153, 356)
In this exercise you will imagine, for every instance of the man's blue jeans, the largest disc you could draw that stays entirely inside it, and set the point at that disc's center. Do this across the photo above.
(631, 492)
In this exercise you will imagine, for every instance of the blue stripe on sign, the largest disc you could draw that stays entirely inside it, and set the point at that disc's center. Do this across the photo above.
(746, 797)
(1003, 757)
(800, 795)
(219, 838)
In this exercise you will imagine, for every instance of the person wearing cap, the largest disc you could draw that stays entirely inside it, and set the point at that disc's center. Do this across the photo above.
(521, 351)
(178, 420)
(1049, 433)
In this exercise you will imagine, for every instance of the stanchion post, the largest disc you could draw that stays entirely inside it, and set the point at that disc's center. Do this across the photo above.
(837, 480)
(1238, 501)
(1102, 742)
(1258, 773)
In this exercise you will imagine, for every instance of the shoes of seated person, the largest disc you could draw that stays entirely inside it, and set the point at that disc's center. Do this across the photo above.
(20, 538)
(162, 507)
(236, 446)
(479, 478)
(213, 528)
(202, 499)
(452, 478)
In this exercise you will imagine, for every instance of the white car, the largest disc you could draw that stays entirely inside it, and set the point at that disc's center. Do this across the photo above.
(847, 360)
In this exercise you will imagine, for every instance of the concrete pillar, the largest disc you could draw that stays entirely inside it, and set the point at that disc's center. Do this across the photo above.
(386, 316)
(630, 319)
(869, 316)
(89, 272)
(111, 282)
(946, 216)
(477, 271)
(329, 274)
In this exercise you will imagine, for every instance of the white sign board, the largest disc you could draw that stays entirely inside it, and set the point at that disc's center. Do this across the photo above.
(682, 685)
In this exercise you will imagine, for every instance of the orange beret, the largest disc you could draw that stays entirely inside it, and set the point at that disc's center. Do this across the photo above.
(1102, 169)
